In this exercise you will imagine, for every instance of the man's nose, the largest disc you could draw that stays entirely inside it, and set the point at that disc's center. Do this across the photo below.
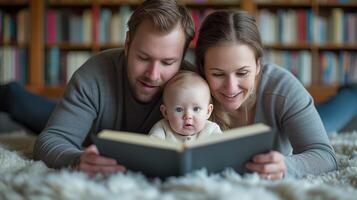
(153, 71)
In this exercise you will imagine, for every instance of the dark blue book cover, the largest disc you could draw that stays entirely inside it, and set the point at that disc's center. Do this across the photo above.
(159, 158)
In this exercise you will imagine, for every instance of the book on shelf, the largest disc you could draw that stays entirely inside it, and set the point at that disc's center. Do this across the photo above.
(160, 158)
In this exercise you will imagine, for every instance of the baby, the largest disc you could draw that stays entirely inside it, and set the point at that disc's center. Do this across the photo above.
(186, 108)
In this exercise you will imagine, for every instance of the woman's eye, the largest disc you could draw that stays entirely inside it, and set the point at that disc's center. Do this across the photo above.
(217, 75)
(178, 109)
(196, 109)
(242, 74)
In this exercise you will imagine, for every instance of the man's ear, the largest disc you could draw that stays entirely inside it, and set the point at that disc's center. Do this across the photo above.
(163, 111)
(209, 110)
(126, 44)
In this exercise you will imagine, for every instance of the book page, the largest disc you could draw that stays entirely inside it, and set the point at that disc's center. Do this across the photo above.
(231, 134)
(139, 139)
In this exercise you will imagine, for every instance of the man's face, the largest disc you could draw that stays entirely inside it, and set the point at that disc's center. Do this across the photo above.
(153, 58)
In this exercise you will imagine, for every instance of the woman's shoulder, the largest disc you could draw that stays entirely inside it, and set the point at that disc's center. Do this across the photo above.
(278, 80)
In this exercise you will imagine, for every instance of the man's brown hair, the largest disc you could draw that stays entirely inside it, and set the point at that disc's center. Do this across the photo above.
(164, 15)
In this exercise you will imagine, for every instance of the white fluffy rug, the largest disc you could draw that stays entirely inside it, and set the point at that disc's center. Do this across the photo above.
(21, 178)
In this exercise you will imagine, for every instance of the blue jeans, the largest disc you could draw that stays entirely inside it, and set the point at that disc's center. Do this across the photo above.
(338, 110)
(28, 109)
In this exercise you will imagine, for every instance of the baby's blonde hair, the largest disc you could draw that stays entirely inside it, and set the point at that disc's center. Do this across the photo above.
(185, 79)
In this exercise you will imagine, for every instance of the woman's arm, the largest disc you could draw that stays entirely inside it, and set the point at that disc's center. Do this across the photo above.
(302, 140)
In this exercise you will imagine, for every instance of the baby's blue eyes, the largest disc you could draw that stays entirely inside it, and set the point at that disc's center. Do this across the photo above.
(178, 109)
(195, 109)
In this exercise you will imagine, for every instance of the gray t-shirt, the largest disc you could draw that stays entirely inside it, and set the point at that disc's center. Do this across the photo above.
(285, 105)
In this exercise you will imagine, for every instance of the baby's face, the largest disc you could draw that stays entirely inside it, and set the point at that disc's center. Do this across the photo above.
(187, 110)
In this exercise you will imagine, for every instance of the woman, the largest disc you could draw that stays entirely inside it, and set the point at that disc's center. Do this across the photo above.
(245, 91)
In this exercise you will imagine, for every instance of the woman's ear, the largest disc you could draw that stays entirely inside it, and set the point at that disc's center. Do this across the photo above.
(126, 44)
(163, 111)
(209, 110)
(259, 66)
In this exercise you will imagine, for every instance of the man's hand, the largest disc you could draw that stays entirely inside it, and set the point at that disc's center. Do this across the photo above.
(269, 165)
(92, 163)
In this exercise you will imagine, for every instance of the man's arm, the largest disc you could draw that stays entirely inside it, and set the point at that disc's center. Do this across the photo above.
(91, 162)
(60, 142)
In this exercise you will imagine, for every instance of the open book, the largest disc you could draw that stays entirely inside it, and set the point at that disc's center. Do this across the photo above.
(160, 158)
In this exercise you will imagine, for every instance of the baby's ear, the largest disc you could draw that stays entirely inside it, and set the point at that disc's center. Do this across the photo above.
(209, 110)
(163, 111)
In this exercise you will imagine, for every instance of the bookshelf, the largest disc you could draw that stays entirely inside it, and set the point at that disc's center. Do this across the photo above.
(39, 46)
(14, 43)
(330, 44)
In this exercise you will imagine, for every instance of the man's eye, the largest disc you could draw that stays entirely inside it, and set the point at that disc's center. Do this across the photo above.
(143, 58)
(167, 63)
(178, 109)
(196, 109)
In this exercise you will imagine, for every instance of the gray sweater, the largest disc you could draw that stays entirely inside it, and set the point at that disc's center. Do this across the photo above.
(285, 105)
(98, 97)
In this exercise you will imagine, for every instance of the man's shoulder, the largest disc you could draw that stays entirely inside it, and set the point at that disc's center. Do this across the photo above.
(104, 63)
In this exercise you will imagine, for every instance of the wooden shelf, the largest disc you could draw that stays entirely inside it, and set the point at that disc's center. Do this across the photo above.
(51, 92)
(67, 3)
(350, 47)
(211, 4)
(14, 3)
(308, 46)
(322, 93)
(338, 5)
(70, 46)
(109, 46)
(284, 4)
(119, 2)
(299, 46)
(13, 44)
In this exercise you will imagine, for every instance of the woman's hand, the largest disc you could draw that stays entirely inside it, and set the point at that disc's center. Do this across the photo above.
(269, 165)
(92, 163)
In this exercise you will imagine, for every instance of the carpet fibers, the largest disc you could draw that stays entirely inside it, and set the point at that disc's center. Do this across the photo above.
(23, 178)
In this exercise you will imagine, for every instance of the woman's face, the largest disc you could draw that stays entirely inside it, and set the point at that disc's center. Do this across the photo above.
(231, 70)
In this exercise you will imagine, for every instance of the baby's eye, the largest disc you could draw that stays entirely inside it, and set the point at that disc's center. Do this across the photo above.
(196, 109)
(178, 109)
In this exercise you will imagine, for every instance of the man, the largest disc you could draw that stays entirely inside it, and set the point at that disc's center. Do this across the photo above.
(118, 89)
